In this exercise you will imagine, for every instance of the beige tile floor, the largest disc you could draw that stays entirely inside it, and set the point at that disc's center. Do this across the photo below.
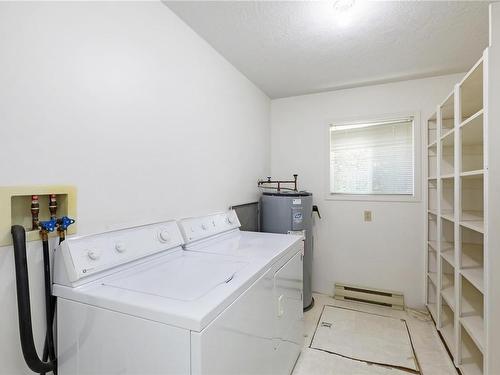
(430, 351)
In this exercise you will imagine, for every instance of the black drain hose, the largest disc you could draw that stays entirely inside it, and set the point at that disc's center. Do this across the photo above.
(49, 303)
(46, 346)
(23, 305)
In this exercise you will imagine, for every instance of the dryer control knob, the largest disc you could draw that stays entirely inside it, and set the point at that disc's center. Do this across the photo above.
(93, 254)
(204, 226)
(164, 236)
(120, 247)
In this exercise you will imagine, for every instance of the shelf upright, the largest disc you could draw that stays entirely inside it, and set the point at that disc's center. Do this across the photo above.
(439, 125)
(470, 176)
(446, 222)
(432, 217)
(492, 196)
(458, 210)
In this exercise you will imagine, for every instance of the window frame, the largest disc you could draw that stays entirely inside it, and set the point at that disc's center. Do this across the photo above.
(417, 157)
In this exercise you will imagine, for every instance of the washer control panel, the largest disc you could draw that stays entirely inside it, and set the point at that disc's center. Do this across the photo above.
(88, 255)
(197, 228)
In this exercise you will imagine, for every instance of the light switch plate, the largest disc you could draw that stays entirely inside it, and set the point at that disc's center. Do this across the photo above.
(15, 208)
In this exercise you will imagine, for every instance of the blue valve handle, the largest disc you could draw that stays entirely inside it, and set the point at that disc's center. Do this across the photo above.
(49, 225)
(64, 222)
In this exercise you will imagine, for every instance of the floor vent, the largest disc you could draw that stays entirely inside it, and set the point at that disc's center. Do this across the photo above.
(377, 297)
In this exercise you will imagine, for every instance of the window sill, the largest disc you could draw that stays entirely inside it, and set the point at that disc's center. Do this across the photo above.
(373, 198)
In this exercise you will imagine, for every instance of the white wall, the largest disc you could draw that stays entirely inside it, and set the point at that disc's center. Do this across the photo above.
(387, 252)
(128, 104)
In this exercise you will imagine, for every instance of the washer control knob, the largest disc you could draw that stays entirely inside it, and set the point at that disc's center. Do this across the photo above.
(120, 247)
(93, 254)
(204, 226)
(164, 236)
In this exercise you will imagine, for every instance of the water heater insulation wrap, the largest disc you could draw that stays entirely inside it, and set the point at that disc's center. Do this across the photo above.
(284, 212)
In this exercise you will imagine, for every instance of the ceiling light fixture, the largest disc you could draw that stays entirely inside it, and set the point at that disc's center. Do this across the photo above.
(343, 5)
(344, 11)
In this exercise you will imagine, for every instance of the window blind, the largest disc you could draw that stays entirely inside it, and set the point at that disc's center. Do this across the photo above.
(372, 158)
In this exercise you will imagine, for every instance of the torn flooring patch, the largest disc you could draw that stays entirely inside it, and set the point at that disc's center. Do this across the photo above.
(366, 337)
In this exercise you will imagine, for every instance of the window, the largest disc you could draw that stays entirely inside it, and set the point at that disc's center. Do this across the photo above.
(372, 158)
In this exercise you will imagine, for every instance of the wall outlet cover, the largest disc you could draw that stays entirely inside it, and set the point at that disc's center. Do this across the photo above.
(368, 215)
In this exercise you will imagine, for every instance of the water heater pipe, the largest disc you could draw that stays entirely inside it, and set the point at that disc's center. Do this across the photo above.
(278, 183)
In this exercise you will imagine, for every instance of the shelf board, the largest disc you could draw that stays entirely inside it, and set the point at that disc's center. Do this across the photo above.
(447, 279)
(475, 276)
(432, 144)
(470, 174)
(432, 307)
(472, 247)
(474, 325)
(472, 358)
(469, 261)
(470, 369)
(433, 278)
(447, 246)
(473, 220)
(432, 212)
(449, 256)
(448, 215)
(447, 110)
(477, 226)
(470, 74)
(432, 178)
(447, 134)
(472, 118)
(449, 337)
(447, 176)
(448, 295)
(449, 141)
(471, 91)
(448, 101)
(472, 301)
(433, 245)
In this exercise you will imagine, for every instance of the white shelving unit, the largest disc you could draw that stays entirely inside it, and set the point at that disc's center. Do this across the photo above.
(461, 261)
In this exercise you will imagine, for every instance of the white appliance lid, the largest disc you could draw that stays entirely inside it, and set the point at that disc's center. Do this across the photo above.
(199, 228)
(183, 278)
(247, 245)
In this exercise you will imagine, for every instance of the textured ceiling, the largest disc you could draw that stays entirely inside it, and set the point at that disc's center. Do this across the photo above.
(297, 47)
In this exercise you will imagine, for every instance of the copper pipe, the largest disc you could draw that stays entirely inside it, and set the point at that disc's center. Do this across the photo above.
(35, 210)
(53, 206)
(62, 234)
(44, 235)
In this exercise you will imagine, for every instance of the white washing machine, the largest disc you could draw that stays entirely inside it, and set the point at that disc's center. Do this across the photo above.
(134, 302)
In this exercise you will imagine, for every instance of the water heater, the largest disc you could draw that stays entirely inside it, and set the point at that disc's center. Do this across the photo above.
(290, 212)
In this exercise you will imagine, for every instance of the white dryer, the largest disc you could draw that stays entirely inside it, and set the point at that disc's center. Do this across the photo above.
(269, 320)
(134, 302)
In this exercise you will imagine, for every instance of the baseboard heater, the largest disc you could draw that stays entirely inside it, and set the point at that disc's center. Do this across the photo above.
(372, 296)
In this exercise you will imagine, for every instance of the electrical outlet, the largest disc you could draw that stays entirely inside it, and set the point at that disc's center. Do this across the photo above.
(368, 215)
